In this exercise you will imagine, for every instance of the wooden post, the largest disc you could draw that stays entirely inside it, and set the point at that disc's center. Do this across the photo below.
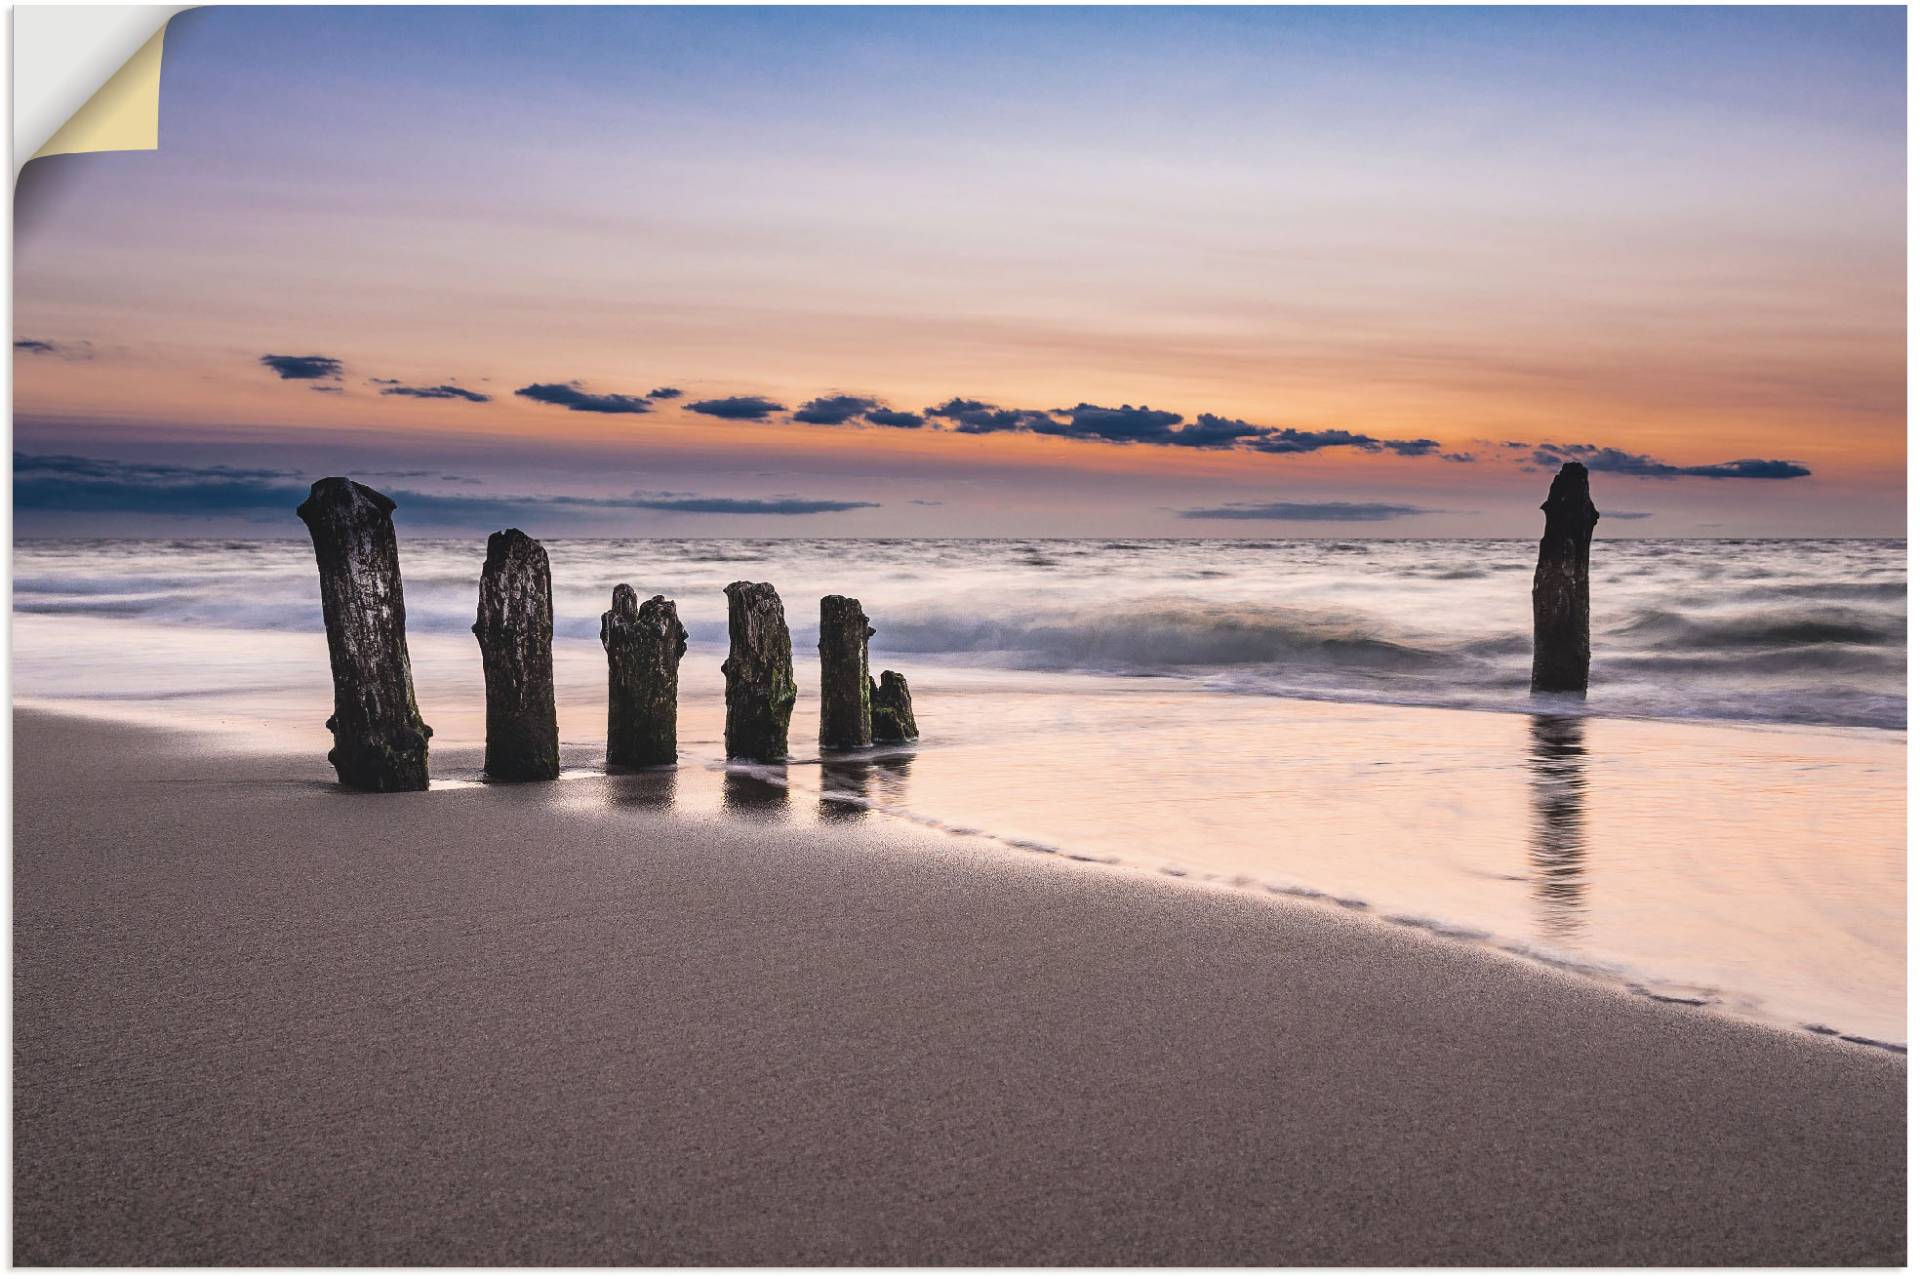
(515, 630)
(1561, 645)
(759, 671)
(846, 699)
(893, 709)
(379, 741)
(644, 644)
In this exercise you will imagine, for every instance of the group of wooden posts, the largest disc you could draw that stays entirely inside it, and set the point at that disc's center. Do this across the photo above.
(380, 742)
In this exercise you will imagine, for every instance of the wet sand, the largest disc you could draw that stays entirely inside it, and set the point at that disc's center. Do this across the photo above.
(261, 1021)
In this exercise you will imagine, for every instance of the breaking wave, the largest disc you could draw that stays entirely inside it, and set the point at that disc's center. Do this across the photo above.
(1166, 633)
(1795, 632)
(1776, 628)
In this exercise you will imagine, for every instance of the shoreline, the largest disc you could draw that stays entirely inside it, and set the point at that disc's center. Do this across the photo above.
(431, 660)
(457, 765)
(582, 1026)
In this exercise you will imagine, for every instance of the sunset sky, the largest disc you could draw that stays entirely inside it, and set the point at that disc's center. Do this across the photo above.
(973, 271)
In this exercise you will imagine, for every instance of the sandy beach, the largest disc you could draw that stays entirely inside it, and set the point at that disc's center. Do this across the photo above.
(838, 635)
(258, 1020)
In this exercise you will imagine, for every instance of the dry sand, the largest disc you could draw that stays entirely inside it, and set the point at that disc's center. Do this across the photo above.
(261, 1021)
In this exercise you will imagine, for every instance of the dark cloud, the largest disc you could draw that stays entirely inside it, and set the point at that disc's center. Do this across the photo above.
(1412, 448)
(139, 472)
(738, 408)
(665, 393)
(415, 475)
(838, 410)
(85, 485)
(45, 346)
(1124, 425)
(1551, 455)
(976, 417)
(1209, 431)
(1750, 468)
(1626, 515)
(1285, 439)
(834, 410)
(329, 390)
(1612, 461)
(438, 393)
(383, 381)
(1315, 512)
(82, 485)
(924, 501)
(302, 368)
(1130, 425)
(568, 395)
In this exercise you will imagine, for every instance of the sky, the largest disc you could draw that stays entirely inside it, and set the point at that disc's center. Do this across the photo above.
(981, 271)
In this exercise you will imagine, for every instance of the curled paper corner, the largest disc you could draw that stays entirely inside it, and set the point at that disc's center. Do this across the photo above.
(124, 115)
(69, 50)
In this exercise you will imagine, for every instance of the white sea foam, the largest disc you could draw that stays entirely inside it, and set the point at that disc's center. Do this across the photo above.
(1808, 632)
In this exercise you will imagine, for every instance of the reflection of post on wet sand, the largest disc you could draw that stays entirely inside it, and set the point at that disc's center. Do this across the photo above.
(760, 791)
(651, 788)
(1558, 765)
(844, 786)
(852, 788)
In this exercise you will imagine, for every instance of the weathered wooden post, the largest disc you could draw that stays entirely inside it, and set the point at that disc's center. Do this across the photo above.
(515, 630)
(379, 740)
(1561, 648)
(846, 698)
(644, 644)
(893, 709)
(759, 671)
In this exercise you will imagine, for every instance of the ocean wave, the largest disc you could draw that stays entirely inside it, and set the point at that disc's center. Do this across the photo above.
(144, 584)
(1773, 628)
(1870, 590)
(1807, 659)
(1810, 632)
(1159, 634)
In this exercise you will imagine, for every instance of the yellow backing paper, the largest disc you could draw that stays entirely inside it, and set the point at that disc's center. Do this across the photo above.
(124, 115)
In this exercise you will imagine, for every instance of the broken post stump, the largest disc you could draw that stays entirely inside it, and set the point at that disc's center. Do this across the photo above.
(379, 740)
(515, 630)
(846, 698)
(644, 644)
(893, 709)
(1561, 645)
(759, 671)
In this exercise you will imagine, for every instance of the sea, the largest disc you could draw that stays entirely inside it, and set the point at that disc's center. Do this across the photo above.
(1720, 822)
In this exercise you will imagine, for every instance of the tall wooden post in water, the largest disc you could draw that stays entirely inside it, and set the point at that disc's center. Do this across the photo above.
(644, 644)
(846, 698)
(1561, 646)
(759, 671)
(379, 740)
(515, 630)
